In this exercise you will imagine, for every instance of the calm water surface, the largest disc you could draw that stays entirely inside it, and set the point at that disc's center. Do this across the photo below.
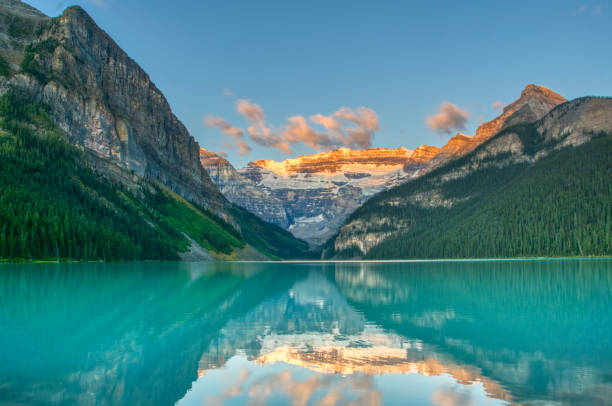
(430, 333)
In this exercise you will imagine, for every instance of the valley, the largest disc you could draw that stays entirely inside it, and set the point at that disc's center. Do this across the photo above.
(311, 196)
(129, 181)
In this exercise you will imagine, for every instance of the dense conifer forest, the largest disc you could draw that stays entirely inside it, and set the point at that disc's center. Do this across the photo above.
(559, 206)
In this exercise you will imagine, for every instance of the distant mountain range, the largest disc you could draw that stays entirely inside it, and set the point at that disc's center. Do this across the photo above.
(311, 196)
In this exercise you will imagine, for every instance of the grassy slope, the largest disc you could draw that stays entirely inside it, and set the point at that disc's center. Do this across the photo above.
(559, 206)
(210, 231)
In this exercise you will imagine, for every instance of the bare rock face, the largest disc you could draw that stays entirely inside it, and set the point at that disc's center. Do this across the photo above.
(457, 146)
(104, 101)
(534, 103)
(576, 122)
(242, 190)
(362, 235)
(19, 24)
(421, 158)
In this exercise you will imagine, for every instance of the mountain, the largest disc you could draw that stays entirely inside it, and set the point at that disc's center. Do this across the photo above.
(104, 101)
(312, 195)
(242, 191)
(539, 187)
(535, 102)
(131, 171)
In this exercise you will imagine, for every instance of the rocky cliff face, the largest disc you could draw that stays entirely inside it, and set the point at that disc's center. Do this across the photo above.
(108, 107)
(576, 122)
(19, 24)
(342, 159)
(242, 191)
(421, 158)
(101, 98)
(457, 146)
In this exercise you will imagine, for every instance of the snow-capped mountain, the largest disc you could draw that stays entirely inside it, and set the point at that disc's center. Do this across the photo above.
(313, 194)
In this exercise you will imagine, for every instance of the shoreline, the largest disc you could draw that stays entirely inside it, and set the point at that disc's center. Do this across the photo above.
(313, 261)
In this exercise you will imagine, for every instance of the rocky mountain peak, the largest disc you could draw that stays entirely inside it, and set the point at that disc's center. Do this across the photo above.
(77, 12)
(334, 161)
(459, 145)
(460, 136)
(540, 99)
(209, 159)
(534, 103)
(19, 24)
(458, 141)
(102, 98)
(540, 92)
(425, 150)
(422, 155)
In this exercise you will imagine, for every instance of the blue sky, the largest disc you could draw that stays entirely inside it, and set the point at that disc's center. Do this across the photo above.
(400, 60)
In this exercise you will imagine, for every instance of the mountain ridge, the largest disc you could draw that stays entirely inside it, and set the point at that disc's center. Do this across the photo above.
(456, 194)
(312, 194)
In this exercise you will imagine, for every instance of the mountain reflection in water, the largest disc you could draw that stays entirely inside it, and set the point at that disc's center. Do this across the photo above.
(439, 333)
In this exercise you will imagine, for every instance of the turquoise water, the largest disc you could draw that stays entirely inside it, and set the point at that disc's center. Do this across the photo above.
(417, 333)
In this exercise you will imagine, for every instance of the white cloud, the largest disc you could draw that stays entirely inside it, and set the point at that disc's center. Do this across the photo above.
(226, 128)
(353, 128)
(449, 118)
(363, 119)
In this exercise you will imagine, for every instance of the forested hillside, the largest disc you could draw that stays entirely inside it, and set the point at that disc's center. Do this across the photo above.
(561, 205)
(95, 165)
(53, 205)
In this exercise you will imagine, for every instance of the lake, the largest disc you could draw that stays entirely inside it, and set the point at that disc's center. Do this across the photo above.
(534, 332)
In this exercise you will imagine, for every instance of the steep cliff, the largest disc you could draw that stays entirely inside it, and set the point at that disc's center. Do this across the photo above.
(242, 191)
(65, 78)
(102, 99)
